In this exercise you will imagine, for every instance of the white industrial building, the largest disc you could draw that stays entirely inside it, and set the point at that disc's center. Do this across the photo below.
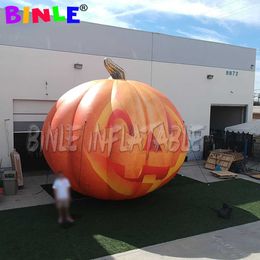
(211, 84)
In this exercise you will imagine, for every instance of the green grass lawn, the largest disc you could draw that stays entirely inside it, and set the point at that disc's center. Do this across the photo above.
(180, 209)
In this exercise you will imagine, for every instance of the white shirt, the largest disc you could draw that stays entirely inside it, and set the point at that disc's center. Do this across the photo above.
(61, 186)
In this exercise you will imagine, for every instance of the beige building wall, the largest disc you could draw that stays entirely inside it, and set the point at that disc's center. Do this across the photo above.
(43, 75)
(193, 94)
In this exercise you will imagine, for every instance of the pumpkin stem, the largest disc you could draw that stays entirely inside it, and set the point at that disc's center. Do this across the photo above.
(115, 71)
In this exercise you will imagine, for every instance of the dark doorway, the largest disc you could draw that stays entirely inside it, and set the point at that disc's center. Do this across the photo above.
(31, 159)
(222, 117)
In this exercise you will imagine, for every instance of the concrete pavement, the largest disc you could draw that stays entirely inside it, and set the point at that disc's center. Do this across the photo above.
(31, 195)
(240, 242)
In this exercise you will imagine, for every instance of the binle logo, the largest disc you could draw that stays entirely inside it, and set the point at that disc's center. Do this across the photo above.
(13, 14)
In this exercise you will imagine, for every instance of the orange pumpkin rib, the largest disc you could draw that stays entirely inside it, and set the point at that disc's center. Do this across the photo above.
(99, 188)
(88, 111)
(174, 155)
(162, 119)
(147, 107)
(123, 99)
(64, 116)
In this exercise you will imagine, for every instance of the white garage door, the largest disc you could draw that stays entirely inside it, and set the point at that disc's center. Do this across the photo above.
(30, 112)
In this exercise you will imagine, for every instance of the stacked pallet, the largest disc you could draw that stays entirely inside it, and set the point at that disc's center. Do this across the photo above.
(224, 174)
(223, 159)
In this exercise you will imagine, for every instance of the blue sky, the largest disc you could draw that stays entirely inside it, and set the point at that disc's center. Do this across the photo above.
(228, 21)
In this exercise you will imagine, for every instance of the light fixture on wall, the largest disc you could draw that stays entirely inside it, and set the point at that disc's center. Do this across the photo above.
(210, 76)
(78, 66)
(252, 66)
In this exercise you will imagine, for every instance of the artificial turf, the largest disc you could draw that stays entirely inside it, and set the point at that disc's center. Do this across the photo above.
(180, 209)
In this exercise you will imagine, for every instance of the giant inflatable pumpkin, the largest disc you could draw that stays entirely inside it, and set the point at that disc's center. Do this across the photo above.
(114, 138)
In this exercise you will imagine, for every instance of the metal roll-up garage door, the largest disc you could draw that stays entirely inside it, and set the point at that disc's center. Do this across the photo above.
(30, 112)
(28, 118)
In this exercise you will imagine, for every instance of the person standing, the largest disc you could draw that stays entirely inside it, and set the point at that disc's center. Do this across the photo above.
(61, 188)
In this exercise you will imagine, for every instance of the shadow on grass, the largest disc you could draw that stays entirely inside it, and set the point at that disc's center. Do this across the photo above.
(180, 209)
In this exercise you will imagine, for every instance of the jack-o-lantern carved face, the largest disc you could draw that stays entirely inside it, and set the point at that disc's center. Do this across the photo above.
(115, 139)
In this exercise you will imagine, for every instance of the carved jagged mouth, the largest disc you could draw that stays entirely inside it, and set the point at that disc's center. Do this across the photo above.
(150, 145)
(159, 172)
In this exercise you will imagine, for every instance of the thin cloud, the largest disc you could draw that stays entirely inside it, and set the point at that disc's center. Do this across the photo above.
(244, 11)
(20, 3)
(118, 12)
